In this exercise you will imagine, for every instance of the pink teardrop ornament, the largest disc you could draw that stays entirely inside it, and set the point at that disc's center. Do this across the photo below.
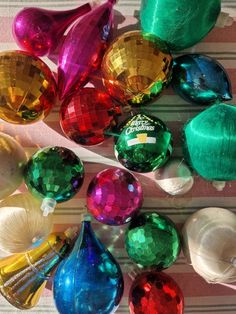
(83, 49)
(39, 31)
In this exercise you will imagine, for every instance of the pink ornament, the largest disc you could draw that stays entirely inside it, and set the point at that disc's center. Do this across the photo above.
(83, 49)
(114, 196)
(39, 31)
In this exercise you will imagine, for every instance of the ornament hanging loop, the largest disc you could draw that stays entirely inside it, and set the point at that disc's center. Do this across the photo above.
(48, 206)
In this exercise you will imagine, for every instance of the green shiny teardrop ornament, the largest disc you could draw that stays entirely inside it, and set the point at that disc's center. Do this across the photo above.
(55, 173)
(143, 144)
(209, 143)
(152, 240)
(180, 23)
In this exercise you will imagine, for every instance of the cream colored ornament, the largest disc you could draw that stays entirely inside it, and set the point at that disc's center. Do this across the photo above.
(175, 178)
(12, 161)
(22, 224)
(209, 243)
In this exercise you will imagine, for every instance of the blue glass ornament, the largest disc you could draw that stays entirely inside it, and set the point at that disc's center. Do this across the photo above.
(200, 79)
(89, 281)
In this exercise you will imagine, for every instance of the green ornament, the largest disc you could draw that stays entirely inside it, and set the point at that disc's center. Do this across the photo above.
(180, 23)
(210, 143)
(152, 240)
(144, 143)
(54, 174)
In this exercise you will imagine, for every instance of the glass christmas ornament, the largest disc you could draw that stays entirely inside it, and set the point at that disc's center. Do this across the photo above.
(24, 276)
(27, 90)
(175, 178)
(143, 143)
(12, 161)
(200, 79)
(136, 68)
(188, 21)
(54, 174)
(154, 292)
(209, 244)
(83, 48)
(39, 31)
(89, 281)
(22, 224)
(209, 143)
(114, 196)
(88, 117)
(152, 240)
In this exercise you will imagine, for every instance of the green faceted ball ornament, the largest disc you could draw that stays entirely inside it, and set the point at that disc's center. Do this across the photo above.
(152, 240)
(180, 23)
(209, 143)
(143, 144)
(54, 174)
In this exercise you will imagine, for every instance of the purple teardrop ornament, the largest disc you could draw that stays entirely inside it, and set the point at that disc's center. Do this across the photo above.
(39, 31)
(83, 49)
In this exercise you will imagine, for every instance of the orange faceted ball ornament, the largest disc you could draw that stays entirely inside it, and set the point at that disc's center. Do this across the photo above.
(27, 89)
(136, 68)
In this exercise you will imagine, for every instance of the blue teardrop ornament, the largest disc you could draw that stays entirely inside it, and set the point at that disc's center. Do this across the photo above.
(89, 281)
(200, 79)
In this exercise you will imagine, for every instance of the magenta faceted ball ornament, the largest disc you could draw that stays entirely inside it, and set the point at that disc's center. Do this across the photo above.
(114, 196)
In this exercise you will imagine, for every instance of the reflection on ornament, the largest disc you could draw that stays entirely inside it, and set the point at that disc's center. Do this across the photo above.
(83, 49)
(152, 240)
(87, 117)
(143, 143)
(153, 292)
(54, 174)
(22, 225)
(27, 90)
(12, 161)
(89, 281)
(114, 196)
(24, 276)
(136, 67)
(200, 79)
(175, 178)
(210, 143)
(209, 244)
(39, 31)
(180, 23)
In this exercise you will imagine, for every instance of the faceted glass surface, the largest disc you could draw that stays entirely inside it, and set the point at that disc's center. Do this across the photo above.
(143, 143)
(27, 89)
(152, 240)
(54, 172)
(87, 116)
(136, 67)
(114, 196)
(155, 293)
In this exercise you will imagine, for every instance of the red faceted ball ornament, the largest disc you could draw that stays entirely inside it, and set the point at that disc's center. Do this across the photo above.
(114, 196)
(87, 117)
(155, 293)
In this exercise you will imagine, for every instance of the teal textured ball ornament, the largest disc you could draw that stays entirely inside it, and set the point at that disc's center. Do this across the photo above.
(180, 23)
(152, 240)
(210, 143)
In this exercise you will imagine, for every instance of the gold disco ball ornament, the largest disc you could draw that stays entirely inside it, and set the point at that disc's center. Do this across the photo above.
(27, 89)
(136, 68)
